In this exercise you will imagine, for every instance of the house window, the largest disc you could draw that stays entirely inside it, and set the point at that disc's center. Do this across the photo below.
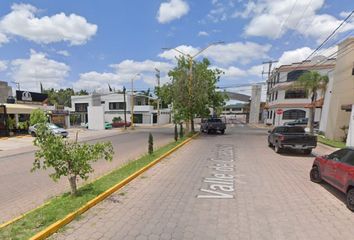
(298, 93)
(294, 75)
(276, 95)
(116, 105)
(294, 114)
(81, 107)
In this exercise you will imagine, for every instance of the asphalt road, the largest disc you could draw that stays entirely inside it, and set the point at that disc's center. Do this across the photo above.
(230, 186)
(21, 190)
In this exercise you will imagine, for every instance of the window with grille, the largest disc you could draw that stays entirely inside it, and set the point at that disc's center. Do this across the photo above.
(294, 114)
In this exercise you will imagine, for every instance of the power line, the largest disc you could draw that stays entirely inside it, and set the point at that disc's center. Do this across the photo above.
(283, 23)
(334, 31)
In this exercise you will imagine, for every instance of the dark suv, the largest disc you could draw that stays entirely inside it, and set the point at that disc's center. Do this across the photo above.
(336, 169)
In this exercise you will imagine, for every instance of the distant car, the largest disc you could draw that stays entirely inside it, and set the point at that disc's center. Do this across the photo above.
(301, 122)
(212, 125)
(120, 124)
(54, 129)
(107, 125)
(291, 137)
(337, 169)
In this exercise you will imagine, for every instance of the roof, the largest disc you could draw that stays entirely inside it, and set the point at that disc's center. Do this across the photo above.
(236, 105)
(20, 108)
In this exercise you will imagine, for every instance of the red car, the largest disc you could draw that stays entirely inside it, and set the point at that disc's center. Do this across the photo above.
(336, 169)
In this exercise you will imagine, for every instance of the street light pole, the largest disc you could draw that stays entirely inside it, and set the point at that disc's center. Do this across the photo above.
(125, 109)
(158, 97)
(190, 79)
(132, 103)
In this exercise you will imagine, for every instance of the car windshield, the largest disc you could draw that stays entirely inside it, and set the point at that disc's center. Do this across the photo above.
(290, 130)
(53, 126)
(214, 120)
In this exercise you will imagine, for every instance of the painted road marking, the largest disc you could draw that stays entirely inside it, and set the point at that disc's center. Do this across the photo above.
(221, 182)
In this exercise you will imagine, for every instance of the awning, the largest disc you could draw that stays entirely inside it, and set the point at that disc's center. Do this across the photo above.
(19, 108)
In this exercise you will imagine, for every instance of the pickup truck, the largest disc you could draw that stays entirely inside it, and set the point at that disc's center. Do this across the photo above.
(291, 137)
(212, 125)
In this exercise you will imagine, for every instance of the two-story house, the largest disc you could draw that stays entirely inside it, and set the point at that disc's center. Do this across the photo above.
(285, 102)
(112, 105)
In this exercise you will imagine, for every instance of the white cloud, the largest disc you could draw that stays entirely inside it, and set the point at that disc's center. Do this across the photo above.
(203, 33)
(174, 9)
(300, 54)
(22, 21)
(232, 72)
(123, 72)
(64, 53)
(273, 18)
(223, 53)
(39, 69)
(256, 70)
(3, 65)
(237, 52)
(172, 54)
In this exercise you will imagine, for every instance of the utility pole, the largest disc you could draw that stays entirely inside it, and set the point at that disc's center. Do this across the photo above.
(270, 63)
(125, 109)
(132, 103)
(158, 97)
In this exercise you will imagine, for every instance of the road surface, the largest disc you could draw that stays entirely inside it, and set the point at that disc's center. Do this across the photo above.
(228, 186)
(22, 190)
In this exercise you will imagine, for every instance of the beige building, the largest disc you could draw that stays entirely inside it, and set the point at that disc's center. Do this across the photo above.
(5, 91)
(340, 95)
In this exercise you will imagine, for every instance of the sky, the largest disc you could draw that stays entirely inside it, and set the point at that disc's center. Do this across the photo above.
(90, 44)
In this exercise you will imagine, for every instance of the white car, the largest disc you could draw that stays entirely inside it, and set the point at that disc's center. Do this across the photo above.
(52, 128)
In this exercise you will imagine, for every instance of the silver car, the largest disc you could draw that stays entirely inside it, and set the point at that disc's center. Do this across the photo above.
(52, 128)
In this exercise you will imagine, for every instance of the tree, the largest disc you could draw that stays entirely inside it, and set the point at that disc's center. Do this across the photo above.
(193, 99)
(69, 159)
(38, 116)
(314, 83)
(181, 133)
(151, 144)
(176, 133)
(62, 97)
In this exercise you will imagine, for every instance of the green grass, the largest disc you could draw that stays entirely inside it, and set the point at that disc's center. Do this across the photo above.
(330, 142)
(60, 206)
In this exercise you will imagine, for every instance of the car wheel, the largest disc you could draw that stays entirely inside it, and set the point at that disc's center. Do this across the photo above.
(208, 131)
(33, 134)
(315, 175)
(222, 131)
(350, 199)
(277, 148)
(270, 144)
(307, 151)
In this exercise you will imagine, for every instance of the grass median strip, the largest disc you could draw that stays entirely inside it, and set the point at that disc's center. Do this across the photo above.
(59, 207)
(331, 143)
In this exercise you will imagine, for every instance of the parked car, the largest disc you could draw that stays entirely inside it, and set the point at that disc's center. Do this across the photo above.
(107, 125)
(54, 129)
(291, 137)
(337, 169)
(301, 122)
(120, 124)
(212, 125)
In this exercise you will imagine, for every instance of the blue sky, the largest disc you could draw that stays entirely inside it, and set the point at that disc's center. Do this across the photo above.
(90, 44)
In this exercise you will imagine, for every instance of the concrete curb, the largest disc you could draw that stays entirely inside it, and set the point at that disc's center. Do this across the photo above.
(57, 225)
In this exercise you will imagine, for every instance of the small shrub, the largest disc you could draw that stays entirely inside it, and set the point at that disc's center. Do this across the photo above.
(151, 144)
(117, 119)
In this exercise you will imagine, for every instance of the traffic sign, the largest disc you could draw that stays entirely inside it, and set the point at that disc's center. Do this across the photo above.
(279, 111)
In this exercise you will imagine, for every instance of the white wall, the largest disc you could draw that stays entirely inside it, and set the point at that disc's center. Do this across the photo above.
(350, 139)
(95, 117)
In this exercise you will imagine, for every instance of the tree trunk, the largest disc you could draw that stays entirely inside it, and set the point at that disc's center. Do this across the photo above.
(187, 126)
(312, 112)
(192, 123)
(73, 186)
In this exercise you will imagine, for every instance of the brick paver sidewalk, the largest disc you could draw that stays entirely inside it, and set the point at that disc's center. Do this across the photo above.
(221, 187)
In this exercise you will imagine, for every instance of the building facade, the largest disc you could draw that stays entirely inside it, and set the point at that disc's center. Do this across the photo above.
(112, 106)
(5, 91)
(285, 102)
(340, 97)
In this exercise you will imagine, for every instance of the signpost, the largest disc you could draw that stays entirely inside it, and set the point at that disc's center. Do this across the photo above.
(279, 112)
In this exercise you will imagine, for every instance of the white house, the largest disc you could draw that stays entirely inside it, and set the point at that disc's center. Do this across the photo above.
(95, 109)
(286, 103)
